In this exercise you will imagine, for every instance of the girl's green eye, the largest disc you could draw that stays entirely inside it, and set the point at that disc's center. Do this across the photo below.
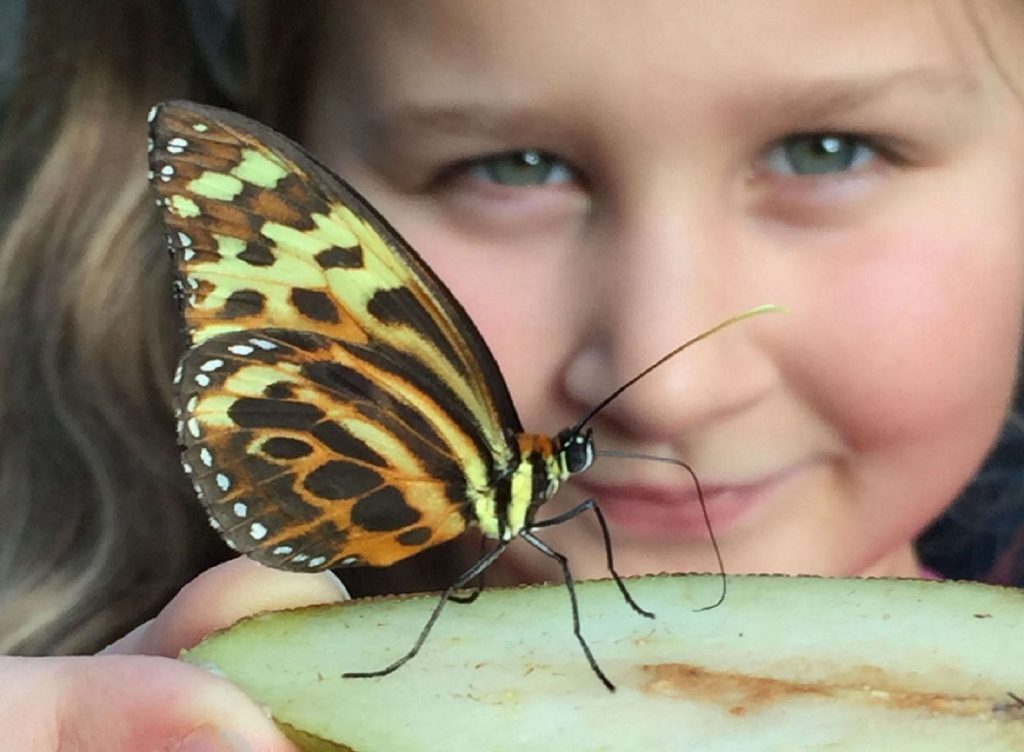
(528, 167)
(819, 154)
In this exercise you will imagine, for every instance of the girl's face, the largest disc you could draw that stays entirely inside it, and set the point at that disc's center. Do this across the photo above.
(599, 181)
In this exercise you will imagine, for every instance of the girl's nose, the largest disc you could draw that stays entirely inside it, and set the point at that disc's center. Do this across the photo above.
(663, 281)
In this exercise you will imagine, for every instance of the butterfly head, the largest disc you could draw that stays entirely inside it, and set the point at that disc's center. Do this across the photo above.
(576, 450)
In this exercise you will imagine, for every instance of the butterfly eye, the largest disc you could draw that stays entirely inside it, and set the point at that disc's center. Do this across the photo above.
(578, 450)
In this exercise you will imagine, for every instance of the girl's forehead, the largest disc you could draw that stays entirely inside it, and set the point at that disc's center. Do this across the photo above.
(727, 27)
(535, 44)
(506, 65)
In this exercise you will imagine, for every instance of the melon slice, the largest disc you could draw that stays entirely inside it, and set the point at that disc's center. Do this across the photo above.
(785, 663)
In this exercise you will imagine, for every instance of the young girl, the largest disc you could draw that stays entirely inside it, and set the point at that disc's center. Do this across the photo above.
(596, 182)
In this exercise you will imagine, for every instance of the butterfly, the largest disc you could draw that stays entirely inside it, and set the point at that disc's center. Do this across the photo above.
(337, 406)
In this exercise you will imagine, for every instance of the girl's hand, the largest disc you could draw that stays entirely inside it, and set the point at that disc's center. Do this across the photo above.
(135, 697)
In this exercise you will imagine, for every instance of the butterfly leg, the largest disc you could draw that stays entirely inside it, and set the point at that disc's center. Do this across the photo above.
(588, 506)
(468, 575)
(473, 594)
(545, 549)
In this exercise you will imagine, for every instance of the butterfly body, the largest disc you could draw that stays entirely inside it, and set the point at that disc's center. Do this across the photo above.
(337, 406)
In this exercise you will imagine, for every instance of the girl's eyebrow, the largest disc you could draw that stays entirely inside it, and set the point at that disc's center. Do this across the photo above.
(457, 119)
(824, 96)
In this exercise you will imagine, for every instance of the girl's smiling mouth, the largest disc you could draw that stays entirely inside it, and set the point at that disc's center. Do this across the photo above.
(673, 511)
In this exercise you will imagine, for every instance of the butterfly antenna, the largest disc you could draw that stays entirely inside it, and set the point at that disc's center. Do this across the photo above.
(700, 498)
(767, 308)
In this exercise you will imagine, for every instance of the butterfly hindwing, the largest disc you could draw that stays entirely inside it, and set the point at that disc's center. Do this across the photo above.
(339, 465)
(272, 248)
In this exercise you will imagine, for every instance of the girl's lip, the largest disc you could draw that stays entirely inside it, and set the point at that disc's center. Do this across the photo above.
(674, 512)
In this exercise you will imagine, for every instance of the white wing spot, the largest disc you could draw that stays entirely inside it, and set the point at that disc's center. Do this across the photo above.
(240, 350)
(151, 115)
(200, 127)
(149, 145)
(214, 524)
(349, 560)
(202, 379)
(223, 481)
(177, 374)
(186, 467)
(258, 531)
(231, 544)
(167, 170)
(206, 457)
(189, 254)
(193, 283)
(176, 145)
(184, 239)
(299, 558)
(263, 344)
(316, 561)
(190, 406)
(241, 510)
(211, 365)
(193, 427)
(282, 550)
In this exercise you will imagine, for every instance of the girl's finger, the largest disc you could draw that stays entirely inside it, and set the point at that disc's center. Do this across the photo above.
(221, 596)
(121, 703)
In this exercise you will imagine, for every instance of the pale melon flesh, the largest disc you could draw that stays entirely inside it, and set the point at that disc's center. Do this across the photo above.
(785, 663)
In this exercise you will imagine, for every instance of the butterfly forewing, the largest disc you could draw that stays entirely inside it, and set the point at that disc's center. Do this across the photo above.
(337, 405)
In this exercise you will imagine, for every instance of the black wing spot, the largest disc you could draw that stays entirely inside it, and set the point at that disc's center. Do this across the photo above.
(316, 305)
(286, 448)
(257, 254)
(339, 479)
(415, 537)
(340, 258)
(252, 412)
(280, 390)
(384, 511)
(243, 303)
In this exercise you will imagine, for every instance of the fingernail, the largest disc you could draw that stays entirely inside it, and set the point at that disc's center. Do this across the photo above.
(209, 739)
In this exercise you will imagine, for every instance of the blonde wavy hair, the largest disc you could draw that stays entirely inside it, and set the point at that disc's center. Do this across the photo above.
(99, 525)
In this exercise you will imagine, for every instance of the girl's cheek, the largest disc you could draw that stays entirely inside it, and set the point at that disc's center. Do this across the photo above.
(912, 336)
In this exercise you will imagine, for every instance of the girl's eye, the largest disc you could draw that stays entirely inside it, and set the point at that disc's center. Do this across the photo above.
(819, 154)
(528, 167)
